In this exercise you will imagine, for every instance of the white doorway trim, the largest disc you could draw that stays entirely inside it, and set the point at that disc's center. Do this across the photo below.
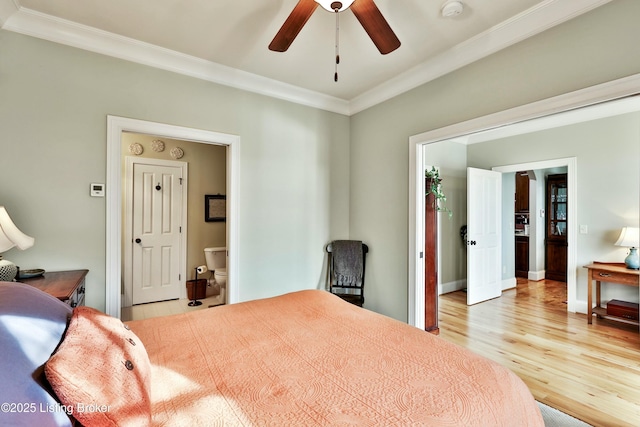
(127, 278)
(115, 127)
(593, 95)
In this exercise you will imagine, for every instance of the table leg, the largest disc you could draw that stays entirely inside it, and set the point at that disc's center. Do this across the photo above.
(589, 299)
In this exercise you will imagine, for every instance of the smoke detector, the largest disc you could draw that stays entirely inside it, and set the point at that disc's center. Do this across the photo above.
(452, 8)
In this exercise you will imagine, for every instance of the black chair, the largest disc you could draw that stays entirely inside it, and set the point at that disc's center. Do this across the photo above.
(347, 260)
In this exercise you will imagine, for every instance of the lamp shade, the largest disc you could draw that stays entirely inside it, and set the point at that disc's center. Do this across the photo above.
(344, 5)
(10, 235)
(629, 237)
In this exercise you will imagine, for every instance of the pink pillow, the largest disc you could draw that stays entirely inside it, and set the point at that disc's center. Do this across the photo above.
(101, 372)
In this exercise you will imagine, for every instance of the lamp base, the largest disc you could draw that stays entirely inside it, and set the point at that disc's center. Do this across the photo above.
(8, 270)
(632, 261)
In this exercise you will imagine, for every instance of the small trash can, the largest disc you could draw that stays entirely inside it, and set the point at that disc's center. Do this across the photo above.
(197, 288)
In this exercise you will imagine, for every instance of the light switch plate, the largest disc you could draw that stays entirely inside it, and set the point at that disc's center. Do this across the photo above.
(583, 229)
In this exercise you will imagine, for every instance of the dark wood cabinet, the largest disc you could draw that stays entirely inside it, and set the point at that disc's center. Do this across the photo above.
(522, 256)
(556, 228)
(522, 192)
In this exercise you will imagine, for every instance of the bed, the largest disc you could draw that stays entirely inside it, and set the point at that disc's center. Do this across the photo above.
(303, 358)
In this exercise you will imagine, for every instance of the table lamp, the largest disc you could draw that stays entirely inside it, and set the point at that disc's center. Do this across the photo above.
(629, 238)
(10, 236)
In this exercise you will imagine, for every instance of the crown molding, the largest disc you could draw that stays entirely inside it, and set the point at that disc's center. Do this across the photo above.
(47, 27)
(545, 15)
(7, 9)
(539, 18)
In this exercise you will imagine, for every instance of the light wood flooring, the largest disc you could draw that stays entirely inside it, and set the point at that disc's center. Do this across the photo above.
(165, 308)
(591, 372)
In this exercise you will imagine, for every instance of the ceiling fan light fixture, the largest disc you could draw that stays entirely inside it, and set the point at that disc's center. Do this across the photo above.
(331, 5)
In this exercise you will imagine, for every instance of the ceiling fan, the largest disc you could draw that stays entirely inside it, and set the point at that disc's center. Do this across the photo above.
(365, 11)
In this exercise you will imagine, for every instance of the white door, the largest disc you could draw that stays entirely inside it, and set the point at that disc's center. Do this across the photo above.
(484, 239)
(157, 224)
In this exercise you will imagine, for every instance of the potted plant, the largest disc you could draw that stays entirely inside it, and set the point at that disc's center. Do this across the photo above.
(434, 186)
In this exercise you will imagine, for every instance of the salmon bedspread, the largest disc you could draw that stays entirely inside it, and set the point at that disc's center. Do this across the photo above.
(309, 358)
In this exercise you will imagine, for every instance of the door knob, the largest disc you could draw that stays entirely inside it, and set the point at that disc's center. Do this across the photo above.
(138, 240)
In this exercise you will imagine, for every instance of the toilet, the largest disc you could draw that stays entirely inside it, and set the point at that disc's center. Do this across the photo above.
(216, 259)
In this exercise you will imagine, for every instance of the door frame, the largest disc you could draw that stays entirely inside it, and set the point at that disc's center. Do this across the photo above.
(127, 278)
(113, 198)
(604, 92)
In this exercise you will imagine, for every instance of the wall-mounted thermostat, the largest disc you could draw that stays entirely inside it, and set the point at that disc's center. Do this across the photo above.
(97, 190)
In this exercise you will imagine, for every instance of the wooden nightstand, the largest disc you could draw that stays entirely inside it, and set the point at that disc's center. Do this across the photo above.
(67, 286)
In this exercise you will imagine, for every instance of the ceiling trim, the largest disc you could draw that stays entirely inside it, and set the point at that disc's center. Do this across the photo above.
(47, 27)
(7, 8)
(539, 18)
(545, 15)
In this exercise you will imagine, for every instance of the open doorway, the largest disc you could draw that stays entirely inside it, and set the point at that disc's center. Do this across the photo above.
(522, 119)
(164, 227)
(116, 127)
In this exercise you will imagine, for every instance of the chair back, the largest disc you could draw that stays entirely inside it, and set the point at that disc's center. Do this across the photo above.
(346, 272)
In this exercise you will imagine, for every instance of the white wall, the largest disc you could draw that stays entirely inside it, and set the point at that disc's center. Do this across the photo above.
(54, 102)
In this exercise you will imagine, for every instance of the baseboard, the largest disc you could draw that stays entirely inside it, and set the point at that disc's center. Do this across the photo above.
(509, 283)
(581, 306)
(536, 275)
(456, 285)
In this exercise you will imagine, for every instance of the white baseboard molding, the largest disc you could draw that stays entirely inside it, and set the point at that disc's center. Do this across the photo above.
(581, 306)
(509, 283)
(536, 275)
(456, 285)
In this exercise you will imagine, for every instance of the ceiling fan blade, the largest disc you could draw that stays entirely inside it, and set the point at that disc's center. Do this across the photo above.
(375, 25)
(292, 26)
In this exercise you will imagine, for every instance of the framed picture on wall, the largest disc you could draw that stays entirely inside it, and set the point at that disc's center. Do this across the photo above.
(215, 207)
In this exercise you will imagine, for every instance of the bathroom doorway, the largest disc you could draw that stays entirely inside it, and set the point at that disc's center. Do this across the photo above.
(175, 191)
(119, 126)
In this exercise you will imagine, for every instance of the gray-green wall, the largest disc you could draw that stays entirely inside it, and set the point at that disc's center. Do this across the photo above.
(307, 176)
(54, 102)
(591, 49)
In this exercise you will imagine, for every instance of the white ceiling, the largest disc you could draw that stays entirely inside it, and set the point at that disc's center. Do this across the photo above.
(226, 41)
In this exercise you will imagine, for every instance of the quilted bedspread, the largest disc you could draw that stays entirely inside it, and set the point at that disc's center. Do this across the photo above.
(309, 358)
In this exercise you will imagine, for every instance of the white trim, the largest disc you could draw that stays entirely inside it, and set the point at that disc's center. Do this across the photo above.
(541, 17)
(47, 27)
(593, 95)
(127, 280)
(115, 127)
(509, 283)
(535, 20)
(7, 9)
(536, 275)
(456, 285)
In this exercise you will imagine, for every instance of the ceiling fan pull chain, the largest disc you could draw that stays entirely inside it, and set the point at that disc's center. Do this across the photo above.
(335, 77)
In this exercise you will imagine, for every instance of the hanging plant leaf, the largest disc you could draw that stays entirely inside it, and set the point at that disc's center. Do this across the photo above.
(435, 188)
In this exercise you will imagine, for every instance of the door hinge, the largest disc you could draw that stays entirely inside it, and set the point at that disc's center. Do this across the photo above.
(179, 277)
(180, 181)
(421, 254)
(180, 229)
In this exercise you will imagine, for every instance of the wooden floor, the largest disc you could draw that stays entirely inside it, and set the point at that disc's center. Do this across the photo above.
(589, 371)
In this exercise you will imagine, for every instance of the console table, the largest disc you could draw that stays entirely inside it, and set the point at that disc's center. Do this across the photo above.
(612, 273)
(67, 286)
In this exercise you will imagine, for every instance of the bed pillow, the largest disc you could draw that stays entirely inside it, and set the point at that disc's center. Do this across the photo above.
(101, 371)
(32, 324)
